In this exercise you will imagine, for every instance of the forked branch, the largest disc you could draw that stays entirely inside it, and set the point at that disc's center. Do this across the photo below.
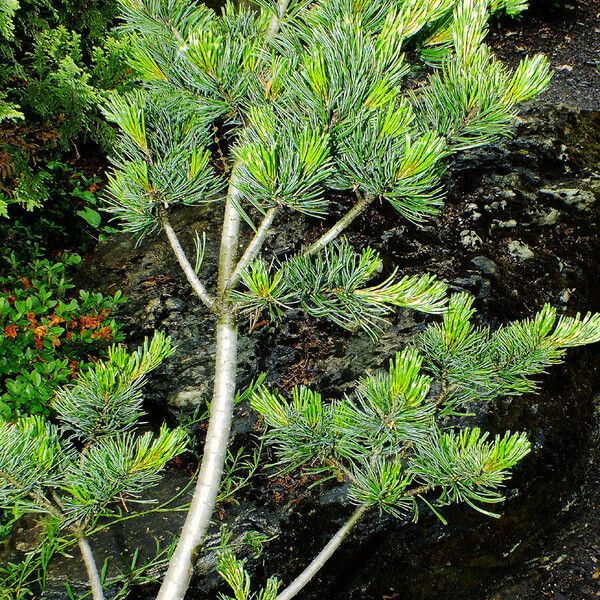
(254, 246)
(186, 266)
(197, 522)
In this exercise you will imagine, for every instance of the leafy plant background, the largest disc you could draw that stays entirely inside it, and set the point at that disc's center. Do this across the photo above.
(57, 62)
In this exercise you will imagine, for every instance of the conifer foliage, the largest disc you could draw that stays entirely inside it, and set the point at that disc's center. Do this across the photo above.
(392, 438)
(263, 110)
(78, 470)
(393, 441)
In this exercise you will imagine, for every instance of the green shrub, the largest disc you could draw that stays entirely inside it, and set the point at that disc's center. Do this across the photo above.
(46, 334)
(70, 218)
(57, 63)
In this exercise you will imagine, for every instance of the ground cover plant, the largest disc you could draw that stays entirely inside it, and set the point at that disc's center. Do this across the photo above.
(48, 335)
(264, 110)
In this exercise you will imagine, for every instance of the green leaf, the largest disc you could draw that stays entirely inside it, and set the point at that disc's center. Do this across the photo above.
(91, 216)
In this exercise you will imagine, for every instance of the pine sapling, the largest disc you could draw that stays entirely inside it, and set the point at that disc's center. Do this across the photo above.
(260, 111)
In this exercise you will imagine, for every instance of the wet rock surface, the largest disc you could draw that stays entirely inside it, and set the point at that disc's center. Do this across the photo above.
(537, 193)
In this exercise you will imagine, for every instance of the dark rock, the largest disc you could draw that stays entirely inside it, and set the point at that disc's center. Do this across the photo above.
(485, 265)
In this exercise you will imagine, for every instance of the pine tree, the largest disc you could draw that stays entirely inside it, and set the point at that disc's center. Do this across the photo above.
(78, 470)
(263, 109)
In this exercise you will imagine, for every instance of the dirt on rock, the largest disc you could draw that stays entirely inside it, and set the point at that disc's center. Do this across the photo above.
(568, 33)
(567, 564)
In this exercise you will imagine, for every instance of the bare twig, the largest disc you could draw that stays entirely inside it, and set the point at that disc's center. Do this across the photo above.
(333, 232)
(254, 246)
(315, 566)
(186, 266)
(334, 543)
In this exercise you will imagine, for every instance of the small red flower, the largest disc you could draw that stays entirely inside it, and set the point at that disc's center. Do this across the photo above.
(10, 332)
(104, 333)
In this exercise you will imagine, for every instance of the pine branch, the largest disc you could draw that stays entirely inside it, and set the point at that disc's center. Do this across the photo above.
(474, 363)
(122, 465)
(332, 284)
(254, 246)
(162, 160)
(186, 266)
(233, 573)
(344, 222)
(179, 572)
(471, 101)
(302, 431)
(384, 485)
(42, 470)
(387, 434)
(107, 399)
(282, 162)
(466, 467)
(90, 567)
(317, 564)
(31, 459)
(387, 410)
